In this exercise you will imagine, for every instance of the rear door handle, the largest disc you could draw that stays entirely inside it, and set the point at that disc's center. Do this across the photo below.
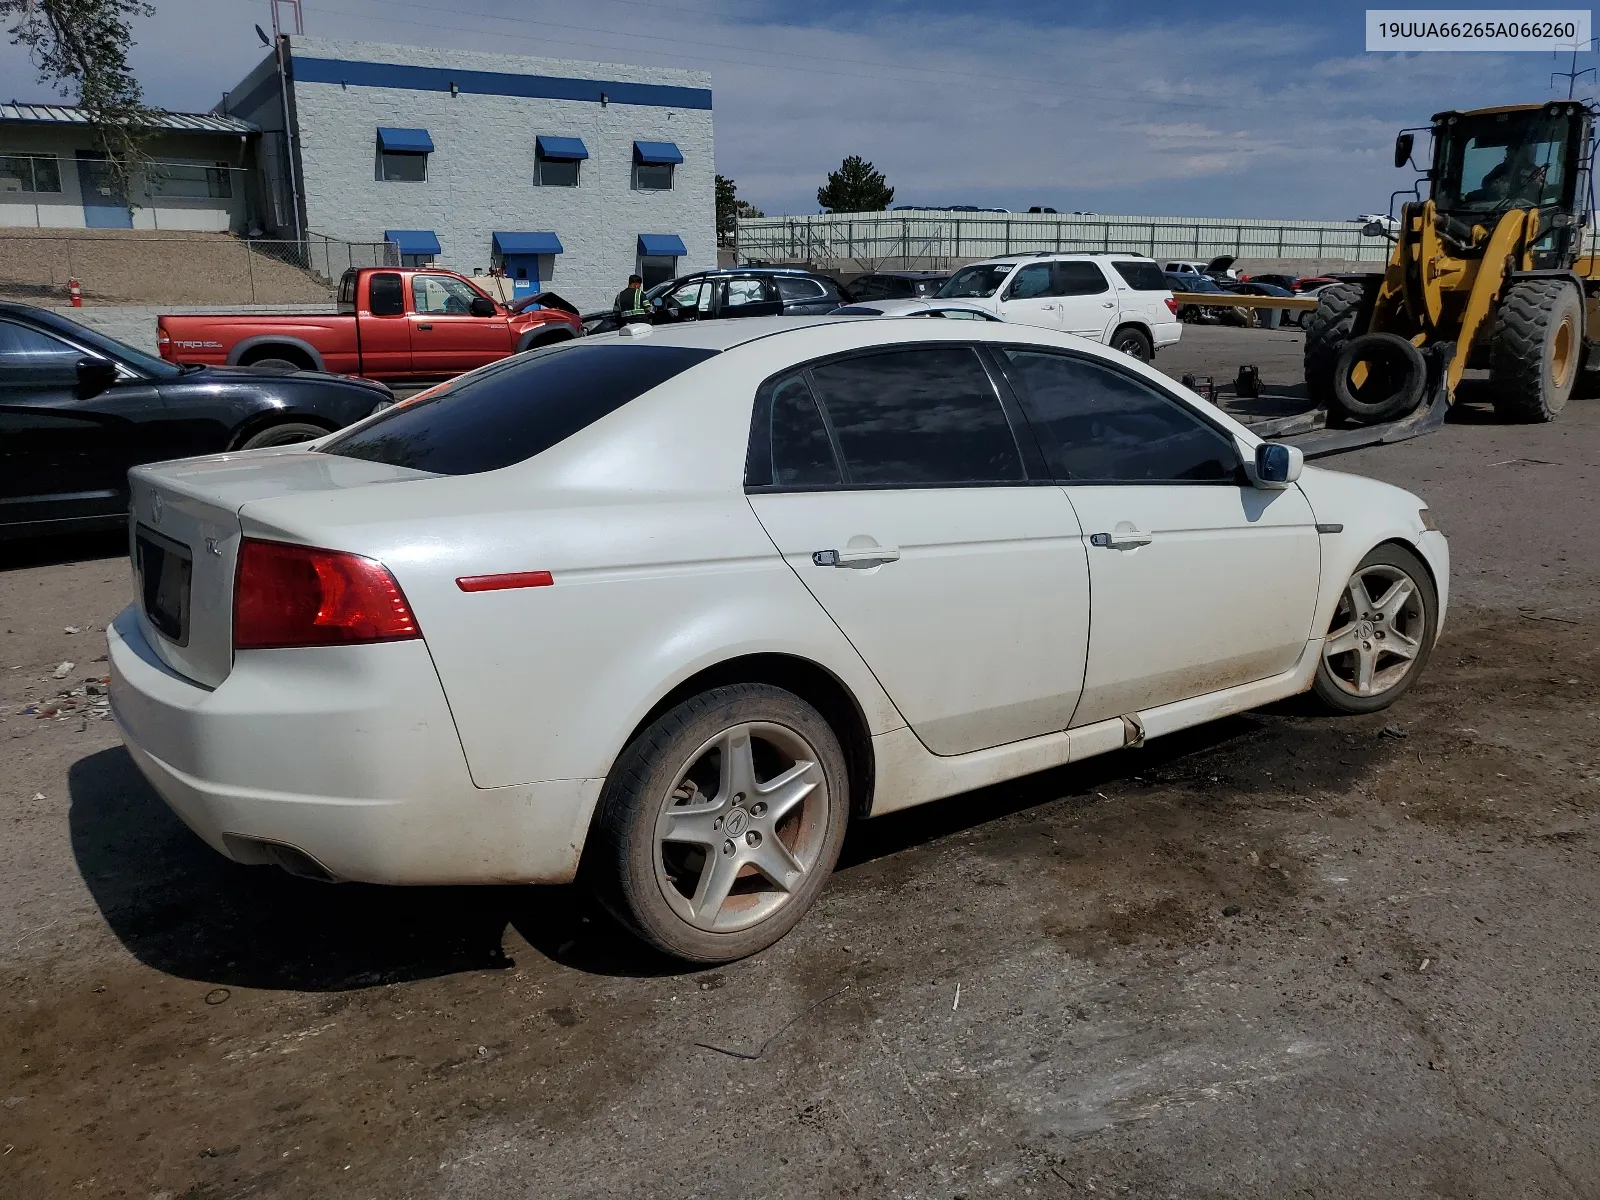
(424, 326)
(1123, 539)
(859, 560)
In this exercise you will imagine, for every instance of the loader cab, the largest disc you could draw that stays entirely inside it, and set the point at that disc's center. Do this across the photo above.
(1488, 162)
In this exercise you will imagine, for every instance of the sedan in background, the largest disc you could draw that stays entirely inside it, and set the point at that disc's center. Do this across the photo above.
(1184, 284)
(733, 292)
(78, 408)
(678, 605)
(897, 285)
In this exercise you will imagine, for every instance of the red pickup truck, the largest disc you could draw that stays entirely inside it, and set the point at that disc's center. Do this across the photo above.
(410, 323)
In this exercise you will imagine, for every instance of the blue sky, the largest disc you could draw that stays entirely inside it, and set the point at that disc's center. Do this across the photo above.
(1248, 109)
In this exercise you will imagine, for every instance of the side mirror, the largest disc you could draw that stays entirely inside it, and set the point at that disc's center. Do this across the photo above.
(1373, 229)
(482, 306)
(1278, 465)
(95, 375)
(1402, 149)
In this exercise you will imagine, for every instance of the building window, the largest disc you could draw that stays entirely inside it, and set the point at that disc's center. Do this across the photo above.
(555, 172)
(394, 167)
(29, 173)
(652, 165)
(652, 177)
(191, 181)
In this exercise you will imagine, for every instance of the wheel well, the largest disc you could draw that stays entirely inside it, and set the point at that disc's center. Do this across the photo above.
(549, 337)
(267, 420)
(1138, 325)
(1415, 551)
(815, 685)
(287, 352)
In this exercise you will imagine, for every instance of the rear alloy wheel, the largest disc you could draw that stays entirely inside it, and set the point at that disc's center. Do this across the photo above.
(1134, 344)
(1537, 348)
(278, 364)
(286, 434)
(721, 822)
(1381, 633)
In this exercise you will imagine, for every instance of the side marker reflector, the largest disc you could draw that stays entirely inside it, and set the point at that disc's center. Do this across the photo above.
(500, 583)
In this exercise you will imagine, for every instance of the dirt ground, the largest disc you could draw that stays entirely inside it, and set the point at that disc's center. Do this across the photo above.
(1281, 955)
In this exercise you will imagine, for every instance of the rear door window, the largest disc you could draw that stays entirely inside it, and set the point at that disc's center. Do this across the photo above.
(922, 416)
(801, 289)
(1101, 426)
(513, 409)
(1077, 279)
(794, 450)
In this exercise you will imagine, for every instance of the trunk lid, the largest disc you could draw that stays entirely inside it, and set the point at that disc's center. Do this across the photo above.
(183, 538)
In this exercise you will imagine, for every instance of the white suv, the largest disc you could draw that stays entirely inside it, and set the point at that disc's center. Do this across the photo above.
(1121, 300)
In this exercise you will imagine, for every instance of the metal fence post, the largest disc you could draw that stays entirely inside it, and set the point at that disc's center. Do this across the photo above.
(905, 242)
(1152, 239)
(250, 266)
(958, 238)
(1106, 243)
(1008, 237)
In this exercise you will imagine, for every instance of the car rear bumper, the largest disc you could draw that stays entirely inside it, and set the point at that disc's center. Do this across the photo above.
(347, 756)
(1166, 333)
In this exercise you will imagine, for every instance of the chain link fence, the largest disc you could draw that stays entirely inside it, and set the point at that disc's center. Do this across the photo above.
(148, 268)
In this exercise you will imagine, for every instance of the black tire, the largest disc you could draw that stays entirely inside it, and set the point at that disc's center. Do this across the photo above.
(1332, 325)
(285, 433)
(640, 875)
(1536, 350)
(1396, 376)
(1135, 343)
(279, 364)
(1417, 620)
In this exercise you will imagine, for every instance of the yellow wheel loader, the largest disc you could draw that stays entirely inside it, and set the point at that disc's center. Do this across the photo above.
(1487, 272)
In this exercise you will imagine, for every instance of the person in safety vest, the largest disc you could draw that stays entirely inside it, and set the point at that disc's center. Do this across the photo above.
(629, 304)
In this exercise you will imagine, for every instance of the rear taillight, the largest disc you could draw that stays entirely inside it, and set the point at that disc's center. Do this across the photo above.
(163, 340)
(1172, 306)
(286, 595)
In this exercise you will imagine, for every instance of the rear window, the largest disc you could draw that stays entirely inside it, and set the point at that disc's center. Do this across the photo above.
(800, 289)
(513, 409)
(1141, 276)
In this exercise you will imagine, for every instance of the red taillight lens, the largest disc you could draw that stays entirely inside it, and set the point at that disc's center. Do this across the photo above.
(1172, 306)
(286, 595)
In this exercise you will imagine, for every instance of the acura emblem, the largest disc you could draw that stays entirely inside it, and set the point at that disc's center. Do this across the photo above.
(155, 508)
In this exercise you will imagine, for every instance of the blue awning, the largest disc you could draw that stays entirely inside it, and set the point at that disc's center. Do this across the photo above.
(413, 241)
(661, 245)
(404, 141)
(657, 152)
(527, 243)
(562, 148)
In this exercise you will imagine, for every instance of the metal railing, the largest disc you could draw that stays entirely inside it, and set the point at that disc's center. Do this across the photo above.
(933, 239)
(166, 269)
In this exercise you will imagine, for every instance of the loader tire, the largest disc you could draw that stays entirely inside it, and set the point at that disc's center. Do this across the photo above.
(1536, 350)
(1332, 324)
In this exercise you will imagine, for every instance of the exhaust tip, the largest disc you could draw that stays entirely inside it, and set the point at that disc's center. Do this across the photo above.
(259, 852)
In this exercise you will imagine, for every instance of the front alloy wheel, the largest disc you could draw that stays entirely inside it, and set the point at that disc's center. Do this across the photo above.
(1381, 633)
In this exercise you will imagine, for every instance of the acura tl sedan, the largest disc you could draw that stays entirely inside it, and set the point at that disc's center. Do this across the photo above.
(670, 608)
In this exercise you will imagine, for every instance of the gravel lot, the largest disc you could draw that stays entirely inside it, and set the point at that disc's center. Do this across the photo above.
(1281, 955)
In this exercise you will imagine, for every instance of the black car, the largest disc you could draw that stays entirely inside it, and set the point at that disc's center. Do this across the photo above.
(1200, 285)
(733, 292)
(78, 408)
(897, 285)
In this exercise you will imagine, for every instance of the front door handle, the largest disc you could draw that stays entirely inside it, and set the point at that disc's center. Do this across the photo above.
(857, 559)
(1108, 304)
(1122, 539)
(424, 326)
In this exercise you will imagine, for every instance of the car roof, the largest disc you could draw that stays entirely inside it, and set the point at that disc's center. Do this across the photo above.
(907, 275)
(1055, 255)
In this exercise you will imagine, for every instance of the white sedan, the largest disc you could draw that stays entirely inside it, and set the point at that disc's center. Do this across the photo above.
(678, 605)
(946, 309)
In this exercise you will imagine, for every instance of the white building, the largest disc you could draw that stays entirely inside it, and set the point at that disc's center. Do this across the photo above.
(560, 174)
(53, 176)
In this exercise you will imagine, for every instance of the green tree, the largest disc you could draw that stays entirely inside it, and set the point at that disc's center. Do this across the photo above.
(730, 208)
(80, 47)
(855, 187)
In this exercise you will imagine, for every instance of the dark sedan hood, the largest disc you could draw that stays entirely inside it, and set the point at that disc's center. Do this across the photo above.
(246, 374)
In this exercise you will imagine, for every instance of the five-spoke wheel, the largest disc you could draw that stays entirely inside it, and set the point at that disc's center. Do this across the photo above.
(721, 822)
(1381, 632)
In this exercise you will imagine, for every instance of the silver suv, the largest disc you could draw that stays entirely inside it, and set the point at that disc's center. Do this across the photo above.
(1120, 300)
